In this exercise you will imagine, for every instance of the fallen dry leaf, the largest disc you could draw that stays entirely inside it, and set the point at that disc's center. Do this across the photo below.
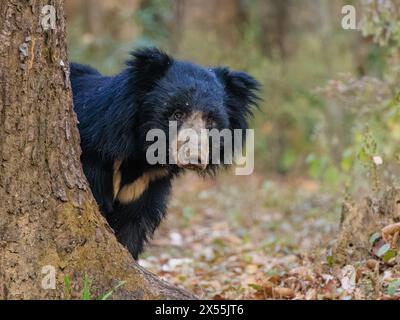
(284, 293)
(391, 234)
(245, 249)
(348, 280)
(372, 264)
(304, 272)
(311, 294)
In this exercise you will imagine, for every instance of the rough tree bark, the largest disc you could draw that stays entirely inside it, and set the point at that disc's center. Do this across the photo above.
(360, 221)
(47, 213)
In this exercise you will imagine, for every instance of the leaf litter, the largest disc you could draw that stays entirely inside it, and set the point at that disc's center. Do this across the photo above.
(266, 239)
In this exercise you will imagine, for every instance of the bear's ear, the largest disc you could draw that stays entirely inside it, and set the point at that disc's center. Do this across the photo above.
(148, 66)
(241, 95)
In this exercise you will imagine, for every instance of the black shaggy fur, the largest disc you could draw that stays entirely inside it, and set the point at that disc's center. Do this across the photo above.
(115, 113)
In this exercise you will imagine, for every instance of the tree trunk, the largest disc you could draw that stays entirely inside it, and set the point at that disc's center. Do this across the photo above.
(360, 221)
(275, 22)
(113, 18)
(196, 19)
(48, 216)
(93, 13)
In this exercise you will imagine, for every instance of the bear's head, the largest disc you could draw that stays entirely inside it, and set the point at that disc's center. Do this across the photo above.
(189, 105)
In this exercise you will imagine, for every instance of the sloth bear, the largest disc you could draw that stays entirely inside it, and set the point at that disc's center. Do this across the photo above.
(116, 113)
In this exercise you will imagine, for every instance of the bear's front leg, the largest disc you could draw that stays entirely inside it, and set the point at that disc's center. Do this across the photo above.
(134, 223)
(133, 236)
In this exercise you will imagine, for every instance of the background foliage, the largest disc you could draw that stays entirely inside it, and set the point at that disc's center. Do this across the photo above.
(330, 102)
(328, 129)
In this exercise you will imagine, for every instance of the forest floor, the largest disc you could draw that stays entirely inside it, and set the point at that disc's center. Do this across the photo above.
(259, 238)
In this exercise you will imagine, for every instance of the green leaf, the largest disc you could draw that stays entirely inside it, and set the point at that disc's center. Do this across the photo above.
(188, 214)
(383, 250)
(86, 288)
(256, 287)
(111, 292)
(67, 286)
(247, 258)
(389, 255)
(393, 287)
(329, 260)
(272, 273)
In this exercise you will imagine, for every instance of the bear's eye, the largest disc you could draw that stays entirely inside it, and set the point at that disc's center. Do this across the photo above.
(178, 115)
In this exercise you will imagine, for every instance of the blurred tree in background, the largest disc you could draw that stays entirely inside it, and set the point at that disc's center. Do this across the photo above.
(329, 129)
(372, 98)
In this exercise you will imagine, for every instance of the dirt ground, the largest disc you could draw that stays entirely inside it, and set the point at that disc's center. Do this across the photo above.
(260, 238)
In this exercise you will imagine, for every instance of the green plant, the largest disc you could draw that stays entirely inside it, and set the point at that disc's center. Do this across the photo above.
(86, 288)
(394, 287)
(67, 287)
(109, 293)
(86, 293)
